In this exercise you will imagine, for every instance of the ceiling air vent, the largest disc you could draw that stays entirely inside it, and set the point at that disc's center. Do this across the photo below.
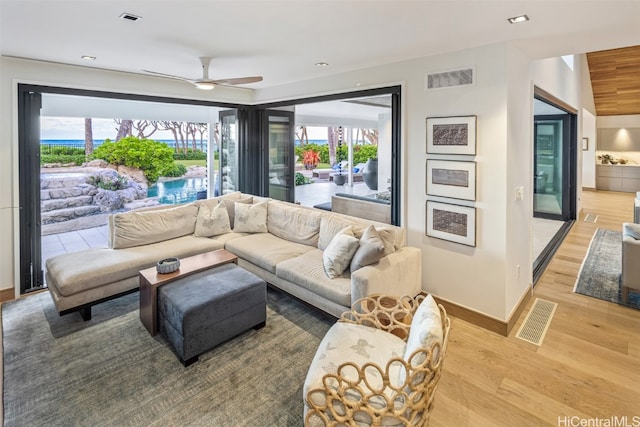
(130, 17)
(447, 79)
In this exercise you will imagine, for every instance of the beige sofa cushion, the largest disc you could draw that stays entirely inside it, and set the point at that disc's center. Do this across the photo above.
(231, 206)
(307, 271)
(330, 225)
(293, 223)
(143, 228)
(91, 268)
(265, 250)
(212, 202)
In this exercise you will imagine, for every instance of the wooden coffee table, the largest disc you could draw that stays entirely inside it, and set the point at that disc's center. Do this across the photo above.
(151, 280)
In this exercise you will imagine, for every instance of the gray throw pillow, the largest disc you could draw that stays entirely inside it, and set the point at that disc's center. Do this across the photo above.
(370, 251)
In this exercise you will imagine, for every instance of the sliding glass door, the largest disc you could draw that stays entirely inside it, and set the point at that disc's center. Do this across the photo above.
(228, 171)
(280, 145)
(553, 167)
(31, 273)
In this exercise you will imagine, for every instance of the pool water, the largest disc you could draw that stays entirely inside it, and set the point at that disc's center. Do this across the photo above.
(176, 191)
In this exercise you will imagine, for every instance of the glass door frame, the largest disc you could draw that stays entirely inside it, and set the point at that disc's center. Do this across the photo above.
(289, 165)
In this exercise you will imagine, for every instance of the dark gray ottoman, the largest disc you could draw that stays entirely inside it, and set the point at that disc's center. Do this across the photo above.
(205, 309)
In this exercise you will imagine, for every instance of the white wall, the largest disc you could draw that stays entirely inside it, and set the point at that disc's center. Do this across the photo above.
(519, 147)
(589, 131)
(14, 71)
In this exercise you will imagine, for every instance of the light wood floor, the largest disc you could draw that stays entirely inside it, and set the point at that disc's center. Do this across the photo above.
(587, 367)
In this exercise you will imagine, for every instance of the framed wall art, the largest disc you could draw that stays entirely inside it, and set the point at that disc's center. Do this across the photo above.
(453, 179)
(454, 223)
(451, 135)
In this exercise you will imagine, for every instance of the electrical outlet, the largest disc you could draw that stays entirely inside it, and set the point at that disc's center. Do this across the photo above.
(518, 271)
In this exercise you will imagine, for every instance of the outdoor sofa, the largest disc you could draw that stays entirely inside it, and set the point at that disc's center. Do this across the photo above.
(289, 246)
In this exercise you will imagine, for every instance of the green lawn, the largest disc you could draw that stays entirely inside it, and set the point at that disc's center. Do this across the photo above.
(188, 163)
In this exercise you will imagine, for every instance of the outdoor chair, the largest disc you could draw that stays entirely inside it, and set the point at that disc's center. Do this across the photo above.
(379, 364)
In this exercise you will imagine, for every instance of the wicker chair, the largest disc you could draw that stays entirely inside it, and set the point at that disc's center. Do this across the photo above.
(390, 387)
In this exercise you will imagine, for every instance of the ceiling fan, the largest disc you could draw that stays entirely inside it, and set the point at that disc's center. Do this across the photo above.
(205, 83)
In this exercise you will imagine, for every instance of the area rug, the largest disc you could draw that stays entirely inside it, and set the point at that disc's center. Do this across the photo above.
(599, 275)
(61, 371)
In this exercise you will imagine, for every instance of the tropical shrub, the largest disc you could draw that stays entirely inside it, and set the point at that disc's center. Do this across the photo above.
(108, 183)
(61, 154)
(301, 179)
(152, 157)
(310, 159)
(191, 154)
(176, 169)
(361, 152)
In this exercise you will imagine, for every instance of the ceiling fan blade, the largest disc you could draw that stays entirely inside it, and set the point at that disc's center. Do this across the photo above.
(169, 76)
(238, 81)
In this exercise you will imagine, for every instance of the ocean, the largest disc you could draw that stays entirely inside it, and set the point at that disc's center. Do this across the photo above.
(79, 143)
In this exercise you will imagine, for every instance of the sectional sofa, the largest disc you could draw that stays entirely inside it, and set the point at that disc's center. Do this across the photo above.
(327, 259)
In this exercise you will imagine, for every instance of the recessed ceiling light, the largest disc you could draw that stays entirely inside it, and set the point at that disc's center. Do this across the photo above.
(322, 64)
(518, 19)
(130, 17)
(88, 58)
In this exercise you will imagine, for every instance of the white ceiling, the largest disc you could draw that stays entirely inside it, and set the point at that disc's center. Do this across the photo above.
(282, 40)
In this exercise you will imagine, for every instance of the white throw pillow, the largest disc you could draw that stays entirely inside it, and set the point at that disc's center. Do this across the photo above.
(426, 329)
(250, 218)
(212, 222)
(337, 256)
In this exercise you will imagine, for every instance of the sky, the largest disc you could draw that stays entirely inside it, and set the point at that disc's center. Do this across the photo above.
(62, 128)
(73, 128)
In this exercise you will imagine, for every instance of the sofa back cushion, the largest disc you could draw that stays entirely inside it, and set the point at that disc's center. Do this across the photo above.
(330, 225)
(130, 229)
(293, 223)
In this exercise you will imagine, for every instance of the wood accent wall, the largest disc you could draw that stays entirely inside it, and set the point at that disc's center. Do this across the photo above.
(615, 79)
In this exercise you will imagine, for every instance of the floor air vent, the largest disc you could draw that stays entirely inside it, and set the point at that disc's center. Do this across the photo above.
(537, 322)
(590, 218)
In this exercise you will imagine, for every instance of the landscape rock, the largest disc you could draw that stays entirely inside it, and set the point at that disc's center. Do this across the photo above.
(135, 174)
(195, 172)
(108, 200)
(97, 163)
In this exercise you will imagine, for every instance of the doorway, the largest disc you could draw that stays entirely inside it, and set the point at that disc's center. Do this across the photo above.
(555, 176)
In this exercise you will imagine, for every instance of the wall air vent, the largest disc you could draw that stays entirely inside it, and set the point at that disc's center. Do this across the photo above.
(451, 78)
(130, 17)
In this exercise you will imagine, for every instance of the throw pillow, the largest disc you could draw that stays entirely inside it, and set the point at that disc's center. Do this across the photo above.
(250, 218)
(212, 222)
(370, 250)
(337, 256)
(426, 329)
(231, 207)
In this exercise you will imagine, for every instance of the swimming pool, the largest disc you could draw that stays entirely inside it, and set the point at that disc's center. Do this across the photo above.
(176, 191)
